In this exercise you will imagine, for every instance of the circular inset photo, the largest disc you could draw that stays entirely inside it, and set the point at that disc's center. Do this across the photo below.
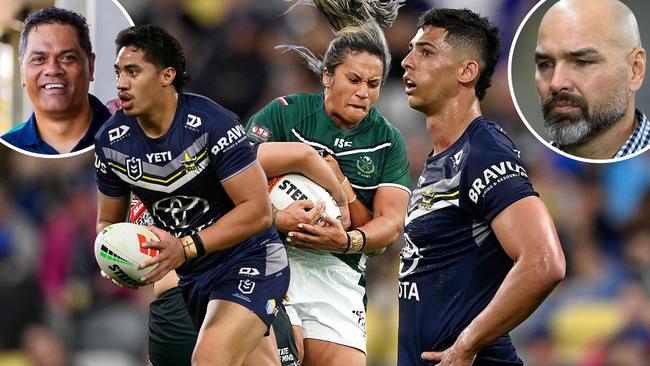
(576, 72)
(57, 76)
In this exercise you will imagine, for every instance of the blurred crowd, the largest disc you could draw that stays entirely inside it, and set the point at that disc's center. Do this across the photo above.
(56, 310)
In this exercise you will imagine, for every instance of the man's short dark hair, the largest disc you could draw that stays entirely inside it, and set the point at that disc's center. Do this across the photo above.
(159, 47)
(466, 29)
(59, 16)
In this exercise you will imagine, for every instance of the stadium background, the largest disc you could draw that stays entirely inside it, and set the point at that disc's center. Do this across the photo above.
(56, 310)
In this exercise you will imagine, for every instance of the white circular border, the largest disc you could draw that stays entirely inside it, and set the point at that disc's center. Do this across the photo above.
(523, 118)
(84, 150)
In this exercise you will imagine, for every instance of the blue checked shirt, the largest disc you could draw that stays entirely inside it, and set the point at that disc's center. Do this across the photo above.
(638, 140)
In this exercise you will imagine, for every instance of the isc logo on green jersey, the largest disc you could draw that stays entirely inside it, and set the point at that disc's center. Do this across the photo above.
(341, 143)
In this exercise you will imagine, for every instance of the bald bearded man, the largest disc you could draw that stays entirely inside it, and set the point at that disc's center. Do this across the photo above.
(590, 64)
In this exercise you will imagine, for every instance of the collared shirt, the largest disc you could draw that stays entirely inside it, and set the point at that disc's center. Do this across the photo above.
(25, 136)
(638, 140)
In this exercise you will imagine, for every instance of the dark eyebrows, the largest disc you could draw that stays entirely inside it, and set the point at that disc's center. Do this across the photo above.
(540, 56)
(591, 52)
(423, 44)
(583, 52)
(354, 75)
(133, 67)
(40, 52)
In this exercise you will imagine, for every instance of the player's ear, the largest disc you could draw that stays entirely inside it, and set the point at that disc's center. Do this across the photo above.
(167, 76)
(468, 72)
(91, 67)
(327, 78)
(637, 63)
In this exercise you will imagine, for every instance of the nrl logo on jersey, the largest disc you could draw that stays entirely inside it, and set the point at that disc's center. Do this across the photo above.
(193, 122)
(366, 166)
(134, 168)
(117, 134)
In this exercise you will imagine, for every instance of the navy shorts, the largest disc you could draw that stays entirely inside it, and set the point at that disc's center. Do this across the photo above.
(257, 281)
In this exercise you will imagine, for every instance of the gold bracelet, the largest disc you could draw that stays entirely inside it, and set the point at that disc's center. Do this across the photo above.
(189, 248)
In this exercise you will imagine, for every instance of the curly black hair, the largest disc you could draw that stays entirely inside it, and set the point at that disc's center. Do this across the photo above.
(160, 48)
(466, 29)
(60, 16)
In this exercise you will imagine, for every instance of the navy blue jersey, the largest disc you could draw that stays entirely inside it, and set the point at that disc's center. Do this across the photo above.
(178, 175)
(452, 263)
(25, 136)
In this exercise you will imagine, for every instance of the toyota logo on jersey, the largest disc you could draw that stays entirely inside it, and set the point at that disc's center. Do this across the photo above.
(180, 212)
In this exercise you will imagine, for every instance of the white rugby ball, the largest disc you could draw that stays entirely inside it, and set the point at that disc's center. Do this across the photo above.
(286, 189)
(118, 250)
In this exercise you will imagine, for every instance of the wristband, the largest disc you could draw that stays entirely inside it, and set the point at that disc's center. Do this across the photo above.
(198, 243)
(188, 246)
(348, 248)
(357, 241)
(363, 236)
(192, 246)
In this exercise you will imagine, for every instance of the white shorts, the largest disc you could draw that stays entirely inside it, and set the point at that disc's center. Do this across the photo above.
(326, 299)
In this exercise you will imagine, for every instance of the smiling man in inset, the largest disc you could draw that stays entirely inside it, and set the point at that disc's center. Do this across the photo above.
(56, 67)
(590, 64)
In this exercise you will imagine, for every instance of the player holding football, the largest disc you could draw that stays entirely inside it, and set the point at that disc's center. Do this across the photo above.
(326, 294)
(481, 248)
(188, 160)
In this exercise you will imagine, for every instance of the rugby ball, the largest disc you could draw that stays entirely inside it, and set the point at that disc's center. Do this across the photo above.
(119, 251)
(286, 189)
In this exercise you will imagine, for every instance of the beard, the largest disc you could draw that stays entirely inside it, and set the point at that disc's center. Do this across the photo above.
(568, 129)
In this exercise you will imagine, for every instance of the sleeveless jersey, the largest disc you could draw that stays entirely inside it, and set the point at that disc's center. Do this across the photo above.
(452, 263)
(178, 175)
(371, 155)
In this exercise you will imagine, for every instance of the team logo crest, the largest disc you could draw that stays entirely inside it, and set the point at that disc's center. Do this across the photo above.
(409, 253)
(366, 166)
(134, 168)
(189, 163)
(246, 286)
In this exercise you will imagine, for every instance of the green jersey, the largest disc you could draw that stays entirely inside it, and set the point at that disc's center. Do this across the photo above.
(371, 155)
